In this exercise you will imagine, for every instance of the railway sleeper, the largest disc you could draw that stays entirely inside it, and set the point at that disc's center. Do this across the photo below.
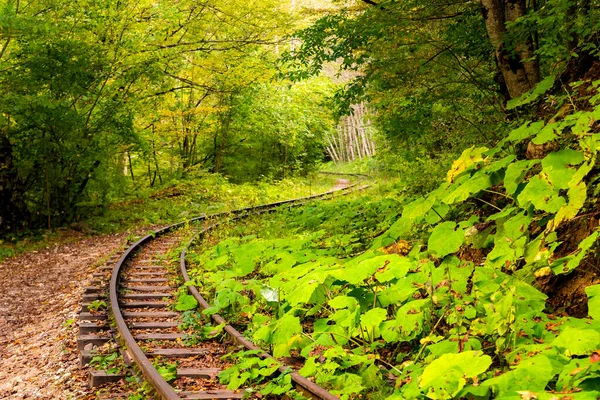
(95, 340)
(86, 355)
(85, 328)
(88, 316)
(145, 296)
(159, 336)
(163, 273)
(144, 280)
(93, 296)
(85, 306)
(212, 394)
(142, 304)
(94, 289)
(153, 325)
(176, 352)
(147, 288)
(147, 261)
(198, 373)
(150, 314)
(99, 378)
(148, 268)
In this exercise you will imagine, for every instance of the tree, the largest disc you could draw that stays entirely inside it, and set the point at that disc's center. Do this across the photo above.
(425, 69)
(438, 75)
(519, 66)
(67, 77)
(92, 92)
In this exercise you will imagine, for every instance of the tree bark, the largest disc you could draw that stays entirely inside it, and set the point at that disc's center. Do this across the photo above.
(520, 69)
(13, 212)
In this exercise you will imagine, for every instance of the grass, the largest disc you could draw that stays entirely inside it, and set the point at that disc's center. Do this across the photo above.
(173, 202)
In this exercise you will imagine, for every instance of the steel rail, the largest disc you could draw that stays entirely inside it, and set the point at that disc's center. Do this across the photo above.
(163, 388)
(300, 382)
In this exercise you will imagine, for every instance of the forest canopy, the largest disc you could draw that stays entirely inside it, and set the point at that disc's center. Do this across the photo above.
(101, 98)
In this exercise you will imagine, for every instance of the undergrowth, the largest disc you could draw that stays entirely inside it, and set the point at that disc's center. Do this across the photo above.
(205, 193)
(175, 202)
(444, 296)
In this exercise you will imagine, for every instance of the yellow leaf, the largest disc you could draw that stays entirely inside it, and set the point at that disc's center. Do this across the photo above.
(468, 158)
(545, 271)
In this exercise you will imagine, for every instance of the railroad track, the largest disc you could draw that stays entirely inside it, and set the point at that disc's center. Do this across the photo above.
(137, 295)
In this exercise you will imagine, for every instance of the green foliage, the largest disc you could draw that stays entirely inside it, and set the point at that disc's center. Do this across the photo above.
(446, 376)
(444, 323)
(427, 70)
(167, 370)
(540, 89)
(252, 369)
(102, 100)
(112, 362)
(199, 193)
(185, 302)
(446, 239)
(593, 293)
(197, 328)
(279, 129)
(97, 305)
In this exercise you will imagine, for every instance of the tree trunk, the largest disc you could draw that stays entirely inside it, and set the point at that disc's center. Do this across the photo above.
(519, 75)
(12, 209)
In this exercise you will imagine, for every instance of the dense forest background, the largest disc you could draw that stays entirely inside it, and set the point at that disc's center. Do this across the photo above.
(102, 99)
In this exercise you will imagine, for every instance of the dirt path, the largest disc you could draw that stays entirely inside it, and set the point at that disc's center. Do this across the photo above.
(40, 295)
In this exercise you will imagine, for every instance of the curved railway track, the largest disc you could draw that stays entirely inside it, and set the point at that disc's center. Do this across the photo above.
(140, 290)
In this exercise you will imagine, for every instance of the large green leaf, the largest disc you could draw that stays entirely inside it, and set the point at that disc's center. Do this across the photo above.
(343, 302)
(355, 273)
(547, 134)
(284, 335)
(418, 208)
(509, 241)
(396, 267)
(556, 166)
(372, 318)
(567, 264)
(541, 194)
(397, 293)
(526, 98)
(577, 195)
(302, 293)
(410, 318)
(514, 175)
(531, 374)
(475, 184)
(577, 341)
(528, 300)
(447, 375)
(467, 159)
(593, 293)
(186, 302)
(506, 251)
(576, 372)
(446, 238)
(400, 228)
(524, 131)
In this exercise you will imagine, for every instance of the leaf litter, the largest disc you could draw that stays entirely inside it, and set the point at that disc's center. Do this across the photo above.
(40, 295)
